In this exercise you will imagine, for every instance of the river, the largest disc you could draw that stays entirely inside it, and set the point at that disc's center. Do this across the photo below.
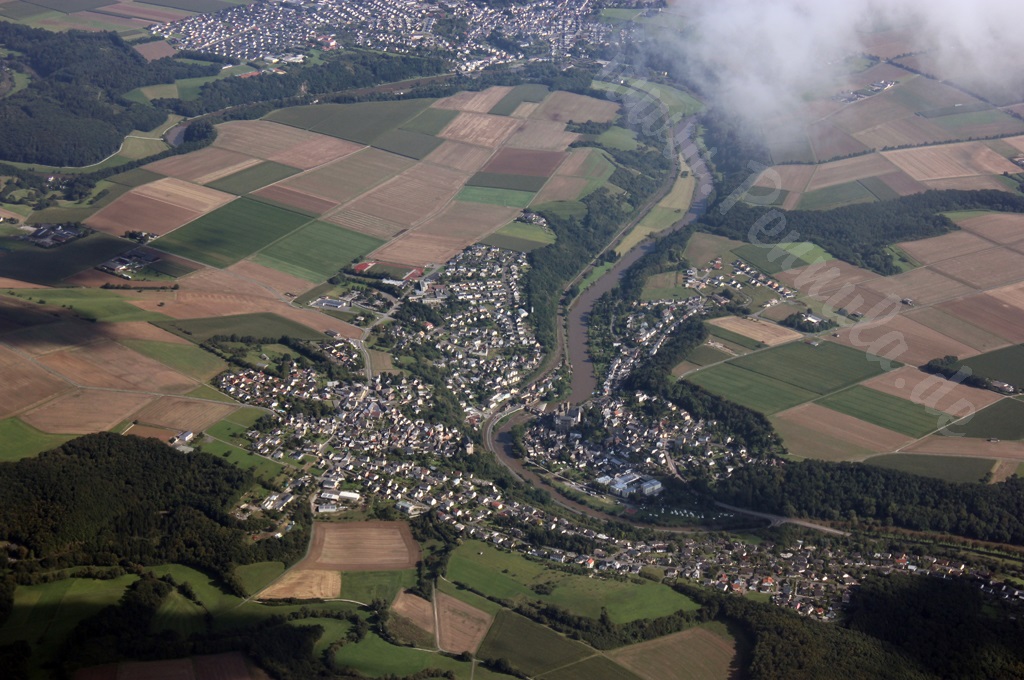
(584, 382)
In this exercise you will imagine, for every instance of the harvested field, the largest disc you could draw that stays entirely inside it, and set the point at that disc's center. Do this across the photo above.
(476, 102)
(976, 183)
(813, 431)
(85, 411)
(107, 364)
(561, 188)
(525, 162)
(162, 433)
(468, 222)
(154, 50)
(135, 211)
(989, 313)
(459, 156)
(923, 286)
(950, 160)
(203, 166)
(903, 184)
(361, 546)
(768, 333)
(480, 129)
(849, 170)
(343, 180)
(137, 330)
(282, 143)
(291, 198)
(1002, 228)
(694, 654)
(986, 269)
(304, 584)
(943, 445)
(886, 339)
(542, 135)
(25, 383)
(929, 250)
(413, 195)
(371, 225)
(277, 280)
(182, 414)
(790, 177)
(184, 194)
(565, 106)
(413, 607)
(418, 249)
(462, 626)
(819, 279)
(910, 130)
(934, 392)
(957, 329)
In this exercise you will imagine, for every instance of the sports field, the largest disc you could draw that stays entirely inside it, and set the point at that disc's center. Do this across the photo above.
(750, 389)
(317, 251)
(884, 410)
(231, 233)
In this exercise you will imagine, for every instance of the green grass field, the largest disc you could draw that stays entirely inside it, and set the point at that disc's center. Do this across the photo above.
(231, 233)
(883, 410)
(207, 392)
(505, 197)
(430, 121)
(1005, 364)
(678, 103)
(497, 180)
(18, 440)
(750, 389)
(561, 208)
(407, 143)
(619, 138)
(45, 615)
(188, 359)
(93, 304)
(948, 468)
(521, 236)
(361, 123)
(261, 467)
(836, 196)
(50, 266)
(1002, 420)
(334, 630)
(531, 92)
(705, 354)
(260, 325)
(772, 260)
(511, 576)
(255, 577)
(822, 369)
(373, 657)
(317, 251)
(530, 647)
(251, 179)
(481, 603)
(179, 615)
(366, 586)
(879, 189)
(735, 338)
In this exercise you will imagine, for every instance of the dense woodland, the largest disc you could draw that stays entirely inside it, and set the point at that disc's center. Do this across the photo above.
(73, 112)
(863, 493)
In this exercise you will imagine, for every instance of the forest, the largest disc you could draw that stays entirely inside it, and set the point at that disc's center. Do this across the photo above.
(73, 112)
(853, 492)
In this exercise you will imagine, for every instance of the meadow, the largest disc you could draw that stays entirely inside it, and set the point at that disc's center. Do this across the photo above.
(529, 646)
(822, 368)
(750, 389)
(366, 586)
(510, 576)
(21, 440)
(520, 236)
(231, 233)
(187, 359)
(254, 577)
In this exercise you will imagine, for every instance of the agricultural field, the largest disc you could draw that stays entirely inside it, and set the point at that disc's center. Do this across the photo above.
(884, 410)
(304, 584)
(760, 331)
(814, 431)
(429, 121)
(508, 198)
(257, 325)
(283, 144)
(529, 646)
(510, 576)
(947, 468)
(51, 266)
(934, 392)
(592, 668)
(373, 657)
(361, 123)
(520, 236)
(480, 129)
(700, 653)
(203, 166)
(999, 316)
(462, 626)
(520, 94)
(83, 411)
(915, 343)
(750, 389)
(231, 233)
(363, 546)
(188, 359)
(317, 251)
(1002, 420)
(347, 178)
(366, 586)
(1005, 364)
(252, 178)
(824, 368)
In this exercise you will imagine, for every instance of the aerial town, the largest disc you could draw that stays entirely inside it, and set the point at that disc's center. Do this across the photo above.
(473, 36)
